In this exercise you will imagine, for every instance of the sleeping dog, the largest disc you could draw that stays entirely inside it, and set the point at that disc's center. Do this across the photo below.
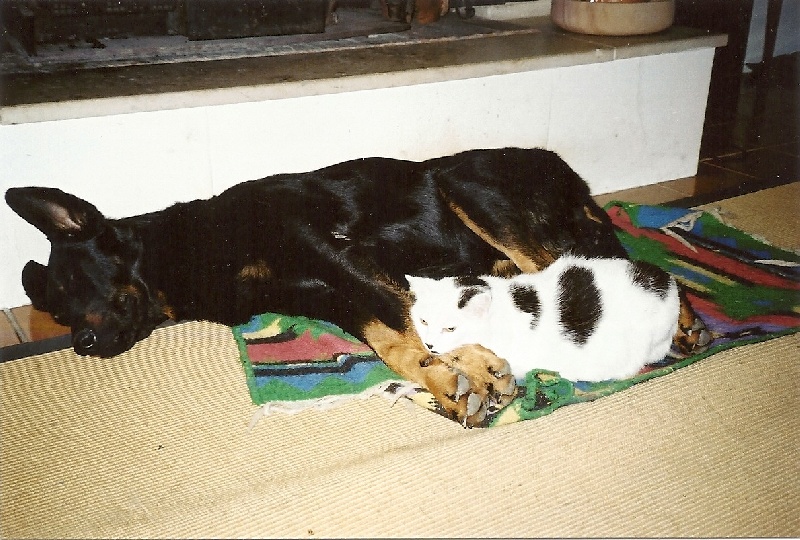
(332, 244)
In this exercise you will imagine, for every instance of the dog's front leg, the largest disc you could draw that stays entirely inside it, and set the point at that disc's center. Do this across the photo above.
(692, 336)
(469, 382)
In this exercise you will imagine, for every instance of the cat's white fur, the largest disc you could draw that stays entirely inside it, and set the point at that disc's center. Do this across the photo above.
(635, 329)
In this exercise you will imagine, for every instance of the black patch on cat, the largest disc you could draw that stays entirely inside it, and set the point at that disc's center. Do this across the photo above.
(526, 299)
(472, 285)
(468, 294)
(650, 278)
(578, 304)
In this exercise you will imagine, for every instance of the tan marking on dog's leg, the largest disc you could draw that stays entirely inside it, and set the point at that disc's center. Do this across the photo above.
(258, 270)
(405, 354)
(691, 335)
(469, 383)
(591, 215)
(530, 261)
(401, 351)
(504, 268)
(686, 315)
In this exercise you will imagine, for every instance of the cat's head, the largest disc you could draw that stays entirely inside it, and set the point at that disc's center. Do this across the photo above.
(446, 313)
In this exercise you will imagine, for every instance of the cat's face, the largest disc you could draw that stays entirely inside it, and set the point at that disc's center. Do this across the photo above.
(437, 317)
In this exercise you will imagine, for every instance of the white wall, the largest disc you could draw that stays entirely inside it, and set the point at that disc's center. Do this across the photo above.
(619, 124)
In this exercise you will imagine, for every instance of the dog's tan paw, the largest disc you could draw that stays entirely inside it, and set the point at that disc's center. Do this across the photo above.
(692, 336)
(471, 383)
(691, 339)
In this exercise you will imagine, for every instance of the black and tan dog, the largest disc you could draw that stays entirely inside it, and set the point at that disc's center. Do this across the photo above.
(332, 244)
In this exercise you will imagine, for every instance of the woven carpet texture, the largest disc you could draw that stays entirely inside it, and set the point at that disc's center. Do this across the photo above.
(158, 443)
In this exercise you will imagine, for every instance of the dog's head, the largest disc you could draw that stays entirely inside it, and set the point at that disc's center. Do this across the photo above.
(93, 281)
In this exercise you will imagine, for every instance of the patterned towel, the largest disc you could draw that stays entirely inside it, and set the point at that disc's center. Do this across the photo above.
(745, 290)
(293, 363)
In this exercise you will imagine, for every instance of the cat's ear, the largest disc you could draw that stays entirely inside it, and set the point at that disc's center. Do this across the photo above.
(478, 305)
(419, 284)
(414, 284)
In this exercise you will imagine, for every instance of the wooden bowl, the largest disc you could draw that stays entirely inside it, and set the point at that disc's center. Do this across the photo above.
(613, 18)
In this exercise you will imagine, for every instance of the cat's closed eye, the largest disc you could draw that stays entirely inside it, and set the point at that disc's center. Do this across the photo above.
(450, 329)
(423, 322)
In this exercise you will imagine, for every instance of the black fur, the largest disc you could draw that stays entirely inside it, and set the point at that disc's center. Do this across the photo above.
(468, 294)
(526, 299)
(333, 244)
(650, 278)
(472, 286)
(579, 304)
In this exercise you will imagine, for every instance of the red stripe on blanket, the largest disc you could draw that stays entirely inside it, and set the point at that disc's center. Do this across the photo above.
(726, 265)
(304, 348)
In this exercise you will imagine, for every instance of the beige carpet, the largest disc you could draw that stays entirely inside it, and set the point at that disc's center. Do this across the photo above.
(156, 443)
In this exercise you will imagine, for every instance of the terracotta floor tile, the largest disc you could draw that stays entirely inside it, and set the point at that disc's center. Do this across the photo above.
(7, 334)
(681, 187)
(36, 324)
(654, 194)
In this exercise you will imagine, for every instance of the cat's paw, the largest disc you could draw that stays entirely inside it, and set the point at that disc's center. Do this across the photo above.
(471, 383)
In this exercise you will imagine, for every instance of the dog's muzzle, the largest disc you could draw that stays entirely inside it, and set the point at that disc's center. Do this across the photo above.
(94, 342)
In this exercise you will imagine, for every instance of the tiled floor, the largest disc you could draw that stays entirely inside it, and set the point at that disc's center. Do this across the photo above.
(759, 149)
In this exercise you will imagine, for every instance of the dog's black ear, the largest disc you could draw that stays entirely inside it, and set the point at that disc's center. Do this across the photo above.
(34, 281)
(59, 215)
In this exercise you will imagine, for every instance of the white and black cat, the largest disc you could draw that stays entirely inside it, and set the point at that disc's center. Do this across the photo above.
(587, 319)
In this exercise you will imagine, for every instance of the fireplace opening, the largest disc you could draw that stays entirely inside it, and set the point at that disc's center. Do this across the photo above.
(42, 36)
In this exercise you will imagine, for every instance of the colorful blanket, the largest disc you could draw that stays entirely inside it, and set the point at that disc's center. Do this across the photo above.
(293, 363)
(745, 290)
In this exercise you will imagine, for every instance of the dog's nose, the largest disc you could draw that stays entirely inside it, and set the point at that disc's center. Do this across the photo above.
(84, 341)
